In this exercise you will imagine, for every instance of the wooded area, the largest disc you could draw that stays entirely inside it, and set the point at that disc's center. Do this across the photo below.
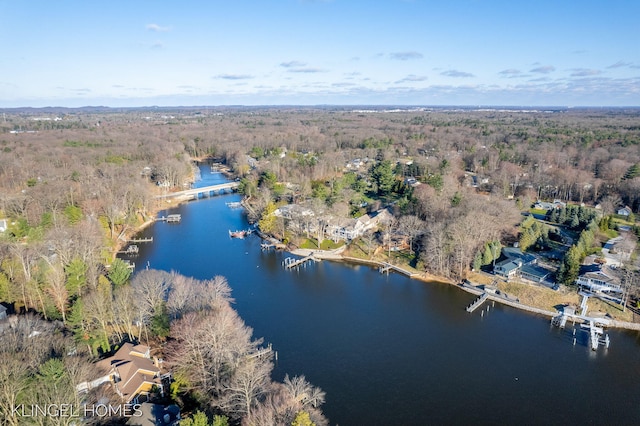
(77, 183)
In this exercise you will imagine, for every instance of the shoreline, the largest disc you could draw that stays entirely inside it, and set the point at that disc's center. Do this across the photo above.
(336, 255)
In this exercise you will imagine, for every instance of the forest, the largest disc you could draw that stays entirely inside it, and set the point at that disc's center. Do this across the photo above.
(76, 183)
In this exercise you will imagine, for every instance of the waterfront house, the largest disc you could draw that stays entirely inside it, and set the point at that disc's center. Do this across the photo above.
(520, 264)
(350, 229)
(598, 281)
(507, 268)
(534, 273)
(131, 371)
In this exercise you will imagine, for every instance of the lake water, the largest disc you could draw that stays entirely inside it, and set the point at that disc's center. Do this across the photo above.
(389, 350)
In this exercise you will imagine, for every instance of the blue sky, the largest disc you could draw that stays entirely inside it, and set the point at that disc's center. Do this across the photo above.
(309, 52)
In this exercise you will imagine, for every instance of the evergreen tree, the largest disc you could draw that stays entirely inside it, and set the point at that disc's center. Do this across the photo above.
(383, 177)
(570, 267)
(477, 261)
(487, 255)
(119, 272)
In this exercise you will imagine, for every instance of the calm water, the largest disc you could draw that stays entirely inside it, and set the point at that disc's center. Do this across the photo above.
(392, 351)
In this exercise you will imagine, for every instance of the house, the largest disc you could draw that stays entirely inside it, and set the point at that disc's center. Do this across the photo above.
(343, 229)
(516, 253)
(624, 211)
(508, 268)
(4, 224)
(350, 229)
(557, 204)
(520, 264)
(291, 211)
(598, 281)
(132, 372)
(534, 273)
(3, 312)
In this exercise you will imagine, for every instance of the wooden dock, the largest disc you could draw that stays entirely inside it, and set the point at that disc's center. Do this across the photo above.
(172, 218)
(132, 249)
(141, 240)
(264, 351)
(385, 268)
(291, 262)
(479, 301)
(560, 320)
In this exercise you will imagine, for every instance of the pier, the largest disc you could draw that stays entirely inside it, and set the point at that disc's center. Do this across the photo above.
(132, 249)
(141, 240)
(560, 321)
(291, 262)
(597, 336)
(264, 351)
(385, 268)
(172, 218)
(479, 301)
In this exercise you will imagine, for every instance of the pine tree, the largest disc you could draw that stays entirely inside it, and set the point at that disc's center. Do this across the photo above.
(477, 261)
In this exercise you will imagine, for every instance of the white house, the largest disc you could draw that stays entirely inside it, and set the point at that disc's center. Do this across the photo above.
(4, 224)
(624, 211)
(598, 281)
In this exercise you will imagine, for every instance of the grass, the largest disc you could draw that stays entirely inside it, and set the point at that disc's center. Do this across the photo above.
(548, 299)
(311, 244)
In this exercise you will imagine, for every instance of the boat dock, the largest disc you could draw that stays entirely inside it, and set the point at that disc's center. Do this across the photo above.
(141, 240)
(476, 304)
(132, 249)
(264, 351)
(385, 268)
(291, 262)
(597, 336)
(172, 218)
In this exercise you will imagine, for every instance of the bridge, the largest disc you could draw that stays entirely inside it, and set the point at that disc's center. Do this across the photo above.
(205, 191)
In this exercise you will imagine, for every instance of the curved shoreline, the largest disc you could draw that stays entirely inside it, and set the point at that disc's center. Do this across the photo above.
(337, 256)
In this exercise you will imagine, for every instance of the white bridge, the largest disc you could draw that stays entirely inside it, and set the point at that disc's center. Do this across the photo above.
(205, 191)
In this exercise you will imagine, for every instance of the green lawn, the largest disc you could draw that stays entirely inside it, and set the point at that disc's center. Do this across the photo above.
(311, 244)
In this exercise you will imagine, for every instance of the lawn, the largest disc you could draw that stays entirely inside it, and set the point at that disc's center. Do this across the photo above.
(312, 244)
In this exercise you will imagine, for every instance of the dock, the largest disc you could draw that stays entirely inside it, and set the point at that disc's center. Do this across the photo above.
(476, 304)
(132, 249)
(291, 262)
(385, 268)
(597, 336)
(264, 351)
(560, 321)
(141, 240)
(172, 218)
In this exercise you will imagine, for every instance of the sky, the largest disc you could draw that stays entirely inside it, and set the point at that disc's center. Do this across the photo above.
(132, 53)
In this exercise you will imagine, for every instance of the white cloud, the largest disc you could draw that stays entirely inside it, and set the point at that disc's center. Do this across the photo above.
(546, 69)
(584, 72)
(457, 74)
(157, 28)
(405, 56)
(412, 78)
(234, 76)
(293, 64)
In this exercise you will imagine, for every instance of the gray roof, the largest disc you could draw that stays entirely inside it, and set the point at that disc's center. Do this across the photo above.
(535, 271)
